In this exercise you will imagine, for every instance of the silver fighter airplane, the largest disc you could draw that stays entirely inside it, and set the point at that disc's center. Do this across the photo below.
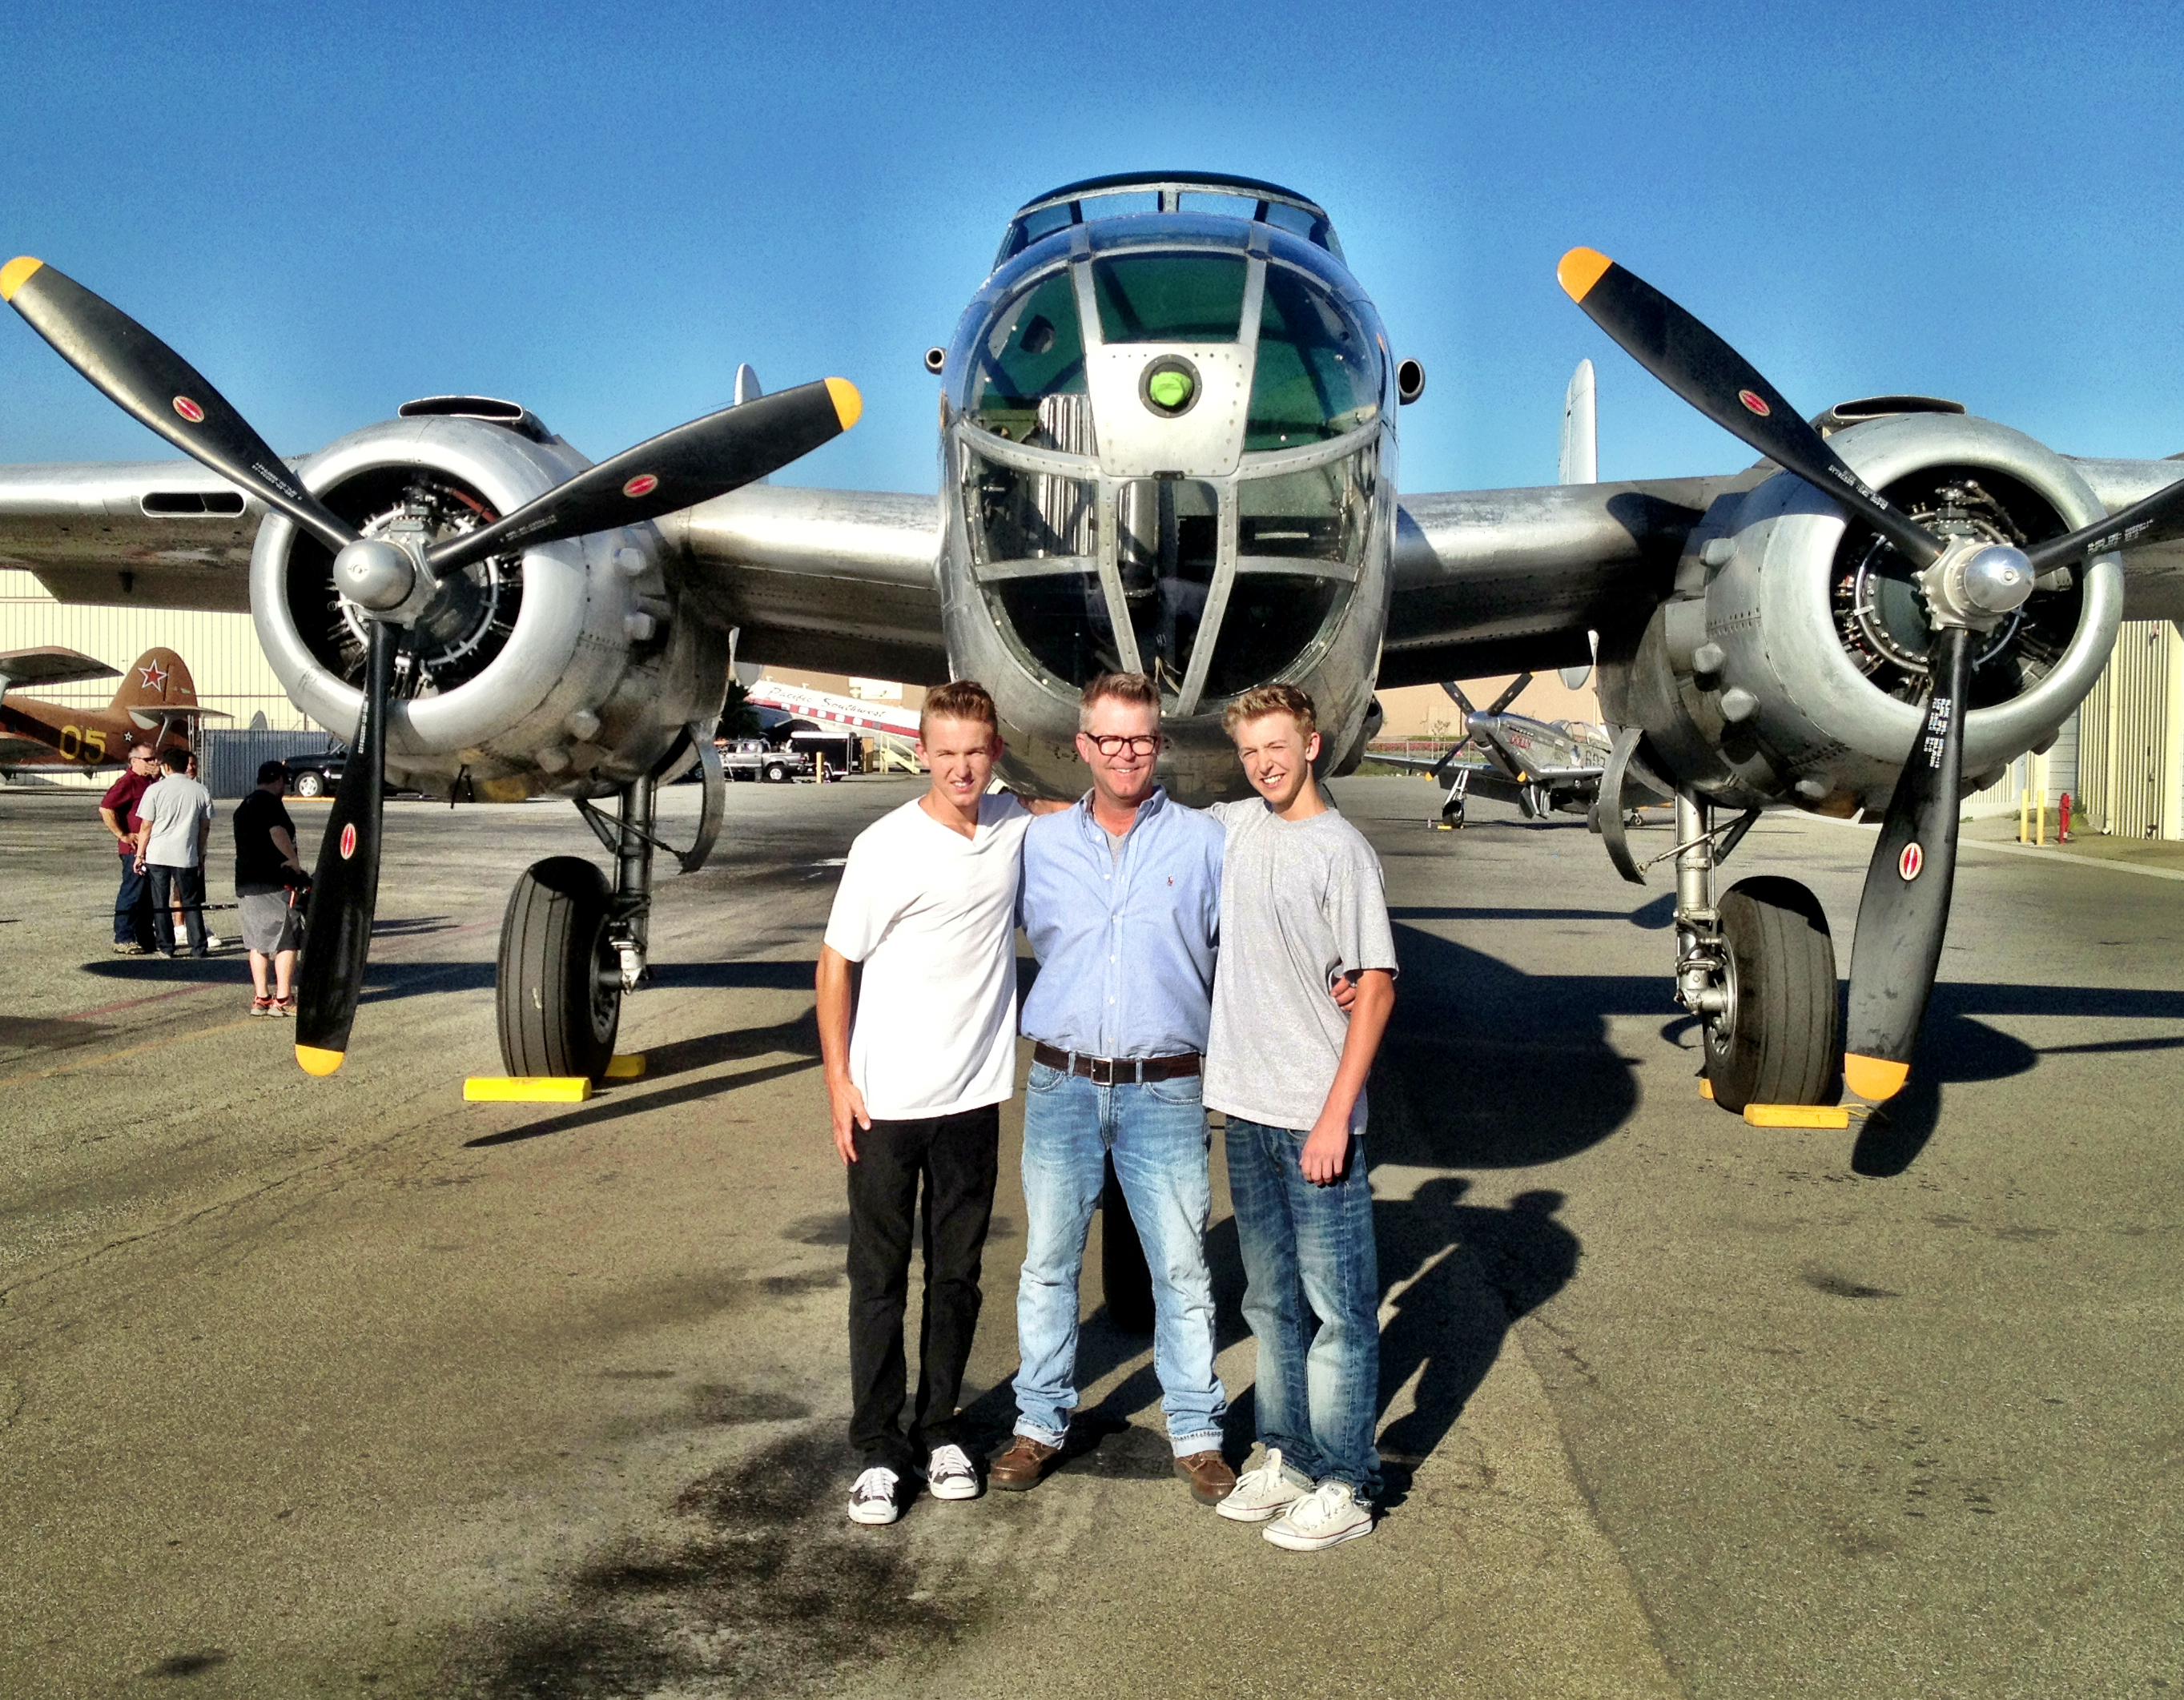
(1541, 765)
(1168, 442)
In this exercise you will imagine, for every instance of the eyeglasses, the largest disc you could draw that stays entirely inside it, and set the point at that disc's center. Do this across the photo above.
(1113, 743)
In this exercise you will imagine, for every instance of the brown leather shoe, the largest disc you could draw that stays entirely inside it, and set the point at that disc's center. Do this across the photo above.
(1211, 1479)
(1022, 1466)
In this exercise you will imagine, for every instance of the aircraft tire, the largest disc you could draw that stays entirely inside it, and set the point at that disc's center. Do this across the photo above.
(1779, 1043)
(557, 992)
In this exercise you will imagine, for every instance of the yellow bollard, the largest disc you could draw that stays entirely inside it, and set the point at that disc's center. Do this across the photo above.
(2023, 810)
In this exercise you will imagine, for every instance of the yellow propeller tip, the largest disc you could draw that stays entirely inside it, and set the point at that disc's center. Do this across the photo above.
(315, 1060)
(1874, 1078)
(1580, 269)
(848, 405)
(16, 274)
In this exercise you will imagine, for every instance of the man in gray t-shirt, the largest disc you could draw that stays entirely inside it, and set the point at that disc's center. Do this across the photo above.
(1301, 906)
(176, 812)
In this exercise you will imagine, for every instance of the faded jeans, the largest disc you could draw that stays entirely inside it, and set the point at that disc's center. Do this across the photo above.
(1311, 1297)
(1156, 1132)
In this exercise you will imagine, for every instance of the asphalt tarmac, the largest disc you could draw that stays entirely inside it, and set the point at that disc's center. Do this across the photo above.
(346, 1387)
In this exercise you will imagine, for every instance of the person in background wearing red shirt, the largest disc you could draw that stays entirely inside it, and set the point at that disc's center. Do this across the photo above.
(132, 904)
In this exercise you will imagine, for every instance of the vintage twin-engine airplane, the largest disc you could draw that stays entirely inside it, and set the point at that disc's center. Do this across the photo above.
(157, 702)
(1167, 443)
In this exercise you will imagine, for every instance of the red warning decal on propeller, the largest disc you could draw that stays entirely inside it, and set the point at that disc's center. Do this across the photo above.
(642, 485)
(1752, 404)
(1910, 862)
(348, 841)
(189, 409)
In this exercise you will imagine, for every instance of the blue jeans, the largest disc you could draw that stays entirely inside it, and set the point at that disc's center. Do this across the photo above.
(1311, 1292)
(132, 905)
(1156, 1132)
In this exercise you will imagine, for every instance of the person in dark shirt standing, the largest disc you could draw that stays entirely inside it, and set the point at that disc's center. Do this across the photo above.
(132, 904)
(266, 871)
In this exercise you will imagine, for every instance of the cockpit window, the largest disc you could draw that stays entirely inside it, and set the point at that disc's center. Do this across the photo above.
(1170, 298)
(1318, 374)
(1028, 361)
(1313, 228)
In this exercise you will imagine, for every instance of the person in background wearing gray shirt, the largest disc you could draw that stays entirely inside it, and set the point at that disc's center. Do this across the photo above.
(1301, 906)
(176, 812)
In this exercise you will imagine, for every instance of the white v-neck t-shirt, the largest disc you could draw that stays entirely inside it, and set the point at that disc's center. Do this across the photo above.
(932, 915)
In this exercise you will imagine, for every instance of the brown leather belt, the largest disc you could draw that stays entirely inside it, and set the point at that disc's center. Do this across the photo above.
(1118, 1071)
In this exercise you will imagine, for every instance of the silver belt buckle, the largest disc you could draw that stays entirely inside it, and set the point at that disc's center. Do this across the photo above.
(1100, 1070)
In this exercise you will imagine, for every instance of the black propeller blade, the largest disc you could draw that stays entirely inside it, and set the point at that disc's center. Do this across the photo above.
(1696, 364)
(345, 888)
(150, 381)
(2149, 520)
(1455, 695)
(1516, 690)
(1905, 908)
(677, 469)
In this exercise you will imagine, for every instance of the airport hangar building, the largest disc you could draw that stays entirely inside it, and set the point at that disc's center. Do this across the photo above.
(2120, 757)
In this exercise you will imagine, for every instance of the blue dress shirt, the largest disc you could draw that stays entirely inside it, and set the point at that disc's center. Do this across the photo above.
(1125, 949)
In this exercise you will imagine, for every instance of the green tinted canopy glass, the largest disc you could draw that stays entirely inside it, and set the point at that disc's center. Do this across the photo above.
(1169, 297)
(1318, 374)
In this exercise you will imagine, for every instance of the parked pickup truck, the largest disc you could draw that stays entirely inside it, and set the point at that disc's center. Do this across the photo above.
(754, 758)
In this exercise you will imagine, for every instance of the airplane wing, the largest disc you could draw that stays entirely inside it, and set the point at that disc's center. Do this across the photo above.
(51, 666)
(835, 581)
(148, 534)
(1505, 581)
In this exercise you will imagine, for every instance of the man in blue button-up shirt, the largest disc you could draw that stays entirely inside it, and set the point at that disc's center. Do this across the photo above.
(1122, 901)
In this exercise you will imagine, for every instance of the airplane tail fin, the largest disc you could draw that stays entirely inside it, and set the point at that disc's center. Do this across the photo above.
(1516, 690)
(158, 681)
(1580, 455)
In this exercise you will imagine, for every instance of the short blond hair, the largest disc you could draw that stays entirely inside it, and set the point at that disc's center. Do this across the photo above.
(1131, 688)
(1273, 699)
(959, 699)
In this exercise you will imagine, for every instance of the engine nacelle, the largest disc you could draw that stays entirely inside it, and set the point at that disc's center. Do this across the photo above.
(1788, 665)
(566, 668)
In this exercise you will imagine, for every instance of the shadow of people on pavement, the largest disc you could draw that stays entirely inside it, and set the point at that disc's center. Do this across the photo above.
(1460, 1275)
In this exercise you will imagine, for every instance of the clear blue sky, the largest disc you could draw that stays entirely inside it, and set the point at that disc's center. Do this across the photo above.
(599, 211)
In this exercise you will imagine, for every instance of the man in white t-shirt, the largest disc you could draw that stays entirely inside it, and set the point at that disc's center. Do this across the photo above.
(915, 1084)
(176, 812)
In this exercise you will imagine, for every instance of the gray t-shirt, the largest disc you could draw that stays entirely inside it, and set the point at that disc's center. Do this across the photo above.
(1302, 902)
(172, 807)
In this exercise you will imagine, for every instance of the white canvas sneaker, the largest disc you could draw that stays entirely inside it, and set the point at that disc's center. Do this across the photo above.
(872, 1500)
(1264, 1492)
(949, 1474)
(1327, 1514)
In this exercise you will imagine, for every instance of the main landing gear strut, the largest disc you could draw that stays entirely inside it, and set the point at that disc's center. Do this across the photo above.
(572, 944)
(1757, 969)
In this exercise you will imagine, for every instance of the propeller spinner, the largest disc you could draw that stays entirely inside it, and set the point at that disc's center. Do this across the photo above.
(390, 582)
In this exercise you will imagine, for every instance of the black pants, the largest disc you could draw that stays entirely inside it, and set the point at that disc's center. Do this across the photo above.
(958, 1158)
(171, 886)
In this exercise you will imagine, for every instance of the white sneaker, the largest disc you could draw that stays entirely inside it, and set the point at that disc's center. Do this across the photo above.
(212, 941)
(1327, 1514)
(872, 1500)
(949, 1474)
(1264, 1492)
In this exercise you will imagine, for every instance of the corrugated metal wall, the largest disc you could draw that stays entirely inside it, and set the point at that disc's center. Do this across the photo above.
(221, 649)
(2132, 762)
